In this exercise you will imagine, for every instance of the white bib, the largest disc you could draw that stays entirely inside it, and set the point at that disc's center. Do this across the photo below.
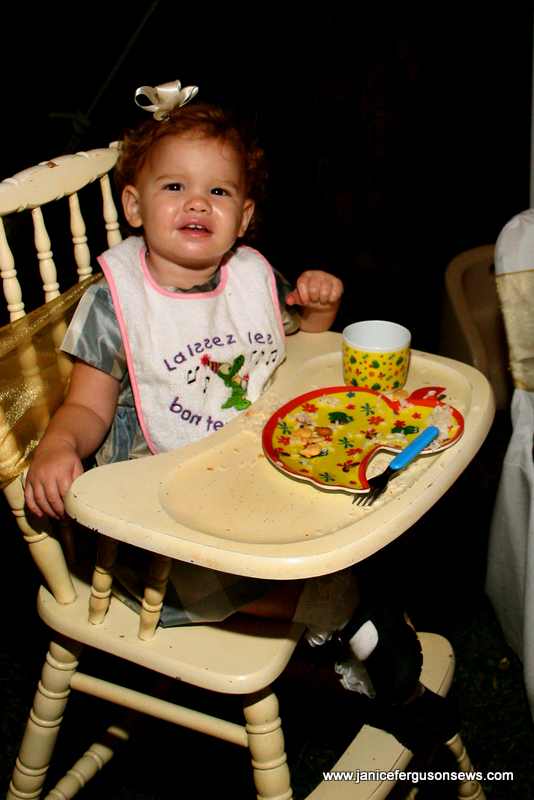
(195, 360)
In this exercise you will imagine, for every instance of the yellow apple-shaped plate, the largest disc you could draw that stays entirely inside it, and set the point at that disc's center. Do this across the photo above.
(359, 422)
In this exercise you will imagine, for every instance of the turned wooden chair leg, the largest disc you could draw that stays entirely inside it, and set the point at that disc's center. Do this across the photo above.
(467, 790)
(42, 728)
(45, 549)
(266, 745)
(102, 579)
(66, 532)
(160, 567)
(94, 758)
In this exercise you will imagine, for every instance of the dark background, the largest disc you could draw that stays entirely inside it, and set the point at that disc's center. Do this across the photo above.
(398, 132)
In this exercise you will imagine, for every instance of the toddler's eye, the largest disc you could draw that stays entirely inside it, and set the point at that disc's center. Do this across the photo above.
(174, 187)
(218, 191)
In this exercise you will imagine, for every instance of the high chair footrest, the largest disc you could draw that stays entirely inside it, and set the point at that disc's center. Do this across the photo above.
(373, 750)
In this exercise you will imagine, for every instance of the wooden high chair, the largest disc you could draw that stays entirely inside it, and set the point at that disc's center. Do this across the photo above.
(242, 656)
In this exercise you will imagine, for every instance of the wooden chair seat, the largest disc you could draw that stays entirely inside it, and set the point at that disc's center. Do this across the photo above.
(238, 656)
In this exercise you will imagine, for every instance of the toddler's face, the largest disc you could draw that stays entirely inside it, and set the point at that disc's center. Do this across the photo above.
(190, 199)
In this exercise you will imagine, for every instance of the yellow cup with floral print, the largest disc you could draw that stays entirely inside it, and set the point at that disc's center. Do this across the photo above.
(376, 355)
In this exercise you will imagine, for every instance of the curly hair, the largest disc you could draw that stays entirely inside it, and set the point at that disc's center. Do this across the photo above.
(207, 121)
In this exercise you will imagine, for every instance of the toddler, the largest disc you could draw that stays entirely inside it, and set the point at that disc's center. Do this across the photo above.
(183, 332)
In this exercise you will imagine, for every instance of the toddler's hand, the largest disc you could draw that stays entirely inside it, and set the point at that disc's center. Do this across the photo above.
(50, 476)
(316, 289)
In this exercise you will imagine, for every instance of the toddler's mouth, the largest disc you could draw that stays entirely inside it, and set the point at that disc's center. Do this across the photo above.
(194, 227)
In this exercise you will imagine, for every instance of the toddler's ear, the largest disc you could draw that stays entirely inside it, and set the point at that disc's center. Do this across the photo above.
(130, 204)
(248, 211)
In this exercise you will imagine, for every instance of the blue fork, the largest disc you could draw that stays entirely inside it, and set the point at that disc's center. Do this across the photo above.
(378, 484)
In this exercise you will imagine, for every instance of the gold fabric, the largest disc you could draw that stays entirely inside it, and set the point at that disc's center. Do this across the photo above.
(34, 377)
(516, 296)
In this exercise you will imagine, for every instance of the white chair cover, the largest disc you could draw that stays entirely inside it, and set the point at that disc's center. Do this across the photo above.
(510, 576)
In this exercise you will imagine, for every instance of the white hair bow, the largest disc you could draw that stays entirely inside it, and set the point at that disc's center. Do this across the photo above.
(165, 97)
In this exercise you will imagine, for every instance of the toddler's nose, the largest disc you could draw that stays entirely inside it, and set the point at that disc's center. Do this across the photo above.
(199, 203)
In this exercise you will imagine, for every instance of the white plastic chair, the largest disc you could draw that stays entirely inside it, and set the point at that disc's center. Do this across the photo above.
(471, 325)
(510, 577)
(241, 656)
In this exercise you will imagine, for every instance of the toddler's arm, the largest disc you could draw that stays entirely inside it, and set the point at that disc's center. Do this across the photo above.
(75, 431)
(319, 294)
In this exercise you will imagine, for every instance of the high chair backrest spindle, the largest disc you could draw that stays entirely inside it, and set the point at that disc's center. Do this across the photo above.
(34, 374)
(37, 186)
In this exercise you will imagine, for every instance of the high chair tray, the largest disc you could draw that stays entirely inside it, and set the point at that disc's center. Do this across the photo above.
(220, 502)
